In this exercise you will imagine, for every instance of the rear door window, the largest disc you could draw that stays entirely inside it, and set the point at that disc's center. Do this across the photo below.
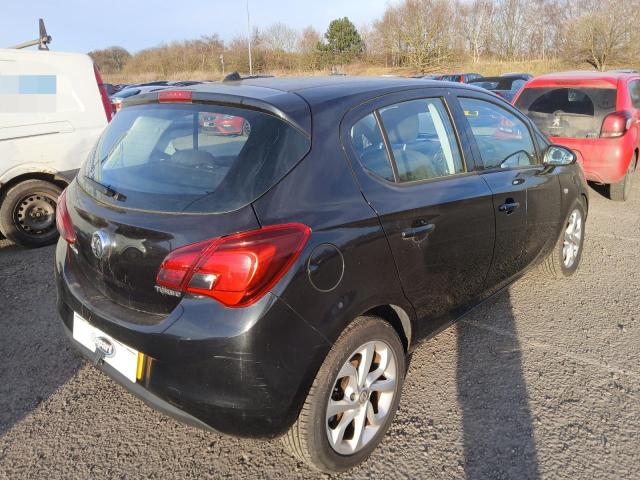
(503, 139)
(367, 141)
(568, 112)
(421, 139)
(192, 158)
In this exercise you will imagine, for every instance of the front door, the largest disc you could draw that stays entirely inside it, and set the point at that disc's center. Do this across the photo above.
(524, 192)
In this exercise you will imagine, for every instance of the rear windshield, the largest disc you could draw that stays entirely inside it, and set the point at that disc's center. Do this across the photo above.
(568, 112)
(191, 158)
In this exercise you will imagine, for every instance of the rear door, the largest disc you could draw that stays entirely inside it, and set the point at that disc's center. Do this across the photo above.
(436, 211)
(526, 196)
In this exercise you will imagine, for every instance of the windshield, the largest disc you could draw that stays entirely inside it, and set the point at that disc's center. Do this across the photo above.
(568, 112)
(191, 158)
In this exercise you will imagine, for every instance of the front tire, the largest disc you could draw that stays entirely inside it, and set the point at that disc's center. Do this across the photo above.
(28, 213)
(353, 399)
(565, 258)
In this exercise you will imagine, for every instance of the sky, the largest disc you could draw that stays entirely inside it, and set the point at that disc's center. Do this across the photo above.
(81, 26)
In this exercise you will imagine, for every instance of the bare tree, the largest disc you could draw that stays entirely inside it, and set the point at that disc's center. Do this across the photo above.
(416, 33)
(111, 60)
(279, 42)
(605, 34)
(477, 18)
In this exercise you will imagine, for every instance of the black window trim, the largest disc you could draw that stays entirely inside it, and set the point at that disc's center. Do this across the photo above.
(387, 147)
(523, 118)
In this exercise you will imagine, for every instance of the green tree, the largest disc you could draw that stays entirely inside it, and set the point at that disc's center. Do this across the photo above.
(343, 42)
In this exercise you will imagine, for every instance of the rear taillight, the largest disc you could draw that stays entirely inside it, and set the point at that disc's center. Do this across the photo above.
(63, 219)
(174, 96)
(615, 124)
(103, 93)
(236, 270)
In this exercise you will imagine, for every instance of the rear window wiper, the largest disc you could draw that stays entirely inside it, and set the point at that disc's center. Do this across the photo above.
(106, 190)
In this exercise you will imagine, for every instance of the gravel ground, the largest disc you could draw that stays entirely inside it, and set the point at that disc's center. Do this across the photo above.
(542, 381)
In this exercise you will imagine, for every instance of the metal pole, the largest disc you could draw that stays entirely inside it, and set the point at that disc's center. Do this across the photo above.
(249, 29)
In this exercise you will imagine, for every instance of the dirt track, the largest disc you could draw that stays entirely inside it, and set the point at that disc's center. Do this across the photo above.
(542, 381)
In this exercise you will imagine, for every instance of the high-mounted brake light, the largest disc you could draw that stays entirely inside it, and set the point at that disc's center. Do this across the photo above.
(174, 96)
(236, 270)
(63, 219)
(615, 124)
(103, 93)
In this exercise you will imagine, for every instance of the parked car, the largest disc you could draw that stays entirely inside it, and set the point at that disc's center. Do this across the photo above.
(595, 114)
(111, 89)
(218, 124)
(275, 284)
(458, 77)
(53, 108)
(117, 98)
(505, 86)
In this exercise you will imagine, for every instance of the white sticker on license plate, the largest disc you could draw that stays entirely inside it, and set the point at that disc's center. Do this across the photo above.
(121, 357)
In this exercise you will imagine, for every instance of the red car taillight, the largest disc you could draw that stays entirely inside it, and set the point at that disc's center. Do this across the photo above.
(103, 93)
(615, 124)
(63, 219)
(236, 270)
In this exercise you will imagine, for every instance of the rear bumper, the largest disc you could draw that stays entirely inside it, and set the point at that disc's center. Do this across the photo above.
(243, 372)
(603, 160)
(138, 390)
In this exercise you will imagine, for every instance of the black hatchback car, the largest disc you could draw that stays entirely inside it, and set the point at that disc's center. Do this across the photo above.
(273, 283)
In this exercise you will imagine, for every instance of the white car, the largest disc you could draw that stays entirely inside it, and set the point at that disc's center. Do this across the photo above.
(53, 108)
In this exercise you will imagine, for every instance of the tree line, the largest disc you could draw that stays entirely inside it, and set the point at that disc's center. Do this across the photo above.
(416, 35)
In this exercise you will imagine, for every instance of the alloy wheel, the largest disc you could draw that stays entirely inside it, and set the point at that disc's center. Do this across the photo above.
(361, 397)
(572, 238)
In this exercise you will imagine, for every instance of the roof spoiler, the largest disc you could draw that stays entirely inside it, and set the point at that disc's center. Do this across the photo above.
(42, 42)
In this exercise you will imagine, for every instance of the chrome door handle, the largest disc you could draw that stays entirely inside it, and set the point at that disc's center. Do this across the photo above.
(508, 206)
(417, 231)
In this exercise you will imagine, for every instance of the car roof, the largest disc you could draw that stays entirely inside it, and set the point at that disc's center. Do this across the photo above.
(294, 98)
(580, 78)
(316, 89)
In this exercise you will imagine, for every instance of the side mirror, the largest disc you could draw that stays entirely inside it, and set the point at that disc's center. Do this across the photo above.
(555, 155)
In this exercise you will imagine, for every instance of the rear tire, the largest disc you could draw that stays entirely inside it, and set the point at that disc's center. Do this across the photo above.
(28, 213)
(564, 259)
(620, 192)
(374, 405)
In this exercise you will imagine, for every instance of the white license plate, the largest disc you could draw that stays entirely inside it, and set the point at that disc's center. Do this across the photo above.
(121, 357)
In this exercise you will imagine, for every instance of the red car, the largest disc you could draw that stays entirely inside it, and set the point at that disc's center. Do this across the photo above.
(597, 115)
(218, 124)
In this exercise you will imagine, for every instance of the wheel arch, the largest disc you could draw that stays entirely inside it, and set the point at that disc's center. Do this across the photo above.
(58, 180)
(399, 319)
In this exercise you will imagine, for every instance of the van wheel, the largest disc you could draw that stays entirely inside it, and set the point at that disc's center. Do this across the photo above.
(619, 192)
(563, 261)
(28, 213)
(353, 399)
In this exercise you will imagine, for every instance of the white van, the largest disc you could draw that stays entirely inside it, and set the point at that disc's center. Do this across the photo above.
(53, 108)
